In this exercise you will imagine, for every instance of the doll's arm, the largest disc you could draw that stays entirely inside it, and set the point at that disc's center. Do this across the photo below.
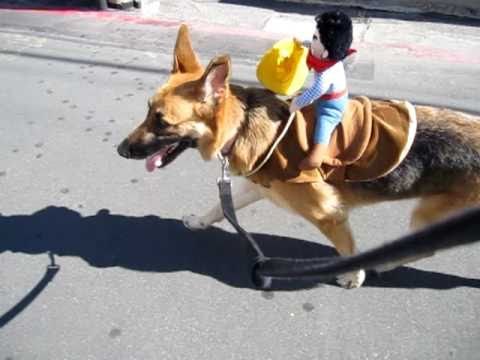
(318, 88)
(306, 43)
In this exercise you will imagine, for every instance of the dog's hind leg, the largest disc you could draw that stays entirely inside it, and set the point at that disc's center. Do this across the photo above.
(437, 207)
(246, 195)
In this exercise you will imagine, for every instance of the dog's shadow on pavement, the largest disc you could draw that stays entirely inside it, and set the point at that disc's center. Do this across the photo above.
(153, 244)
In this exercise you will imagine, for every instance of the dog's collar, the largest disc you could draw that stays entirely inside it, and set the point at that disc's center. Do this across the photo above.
(227, 148)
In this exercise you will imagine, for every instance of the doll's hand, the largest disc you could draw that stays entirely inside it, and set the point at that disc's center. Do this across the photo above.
(304, 43)
(293, 106)
(297, 41)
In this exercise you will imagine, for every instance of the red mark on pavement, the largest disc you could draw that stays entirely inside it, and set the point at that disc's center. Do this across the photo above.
(141, 20)
(425, 52)
(101, 15)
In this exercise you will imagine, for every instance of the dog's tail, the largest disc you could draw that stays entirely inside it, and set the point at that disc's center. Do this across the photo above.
(460, 229)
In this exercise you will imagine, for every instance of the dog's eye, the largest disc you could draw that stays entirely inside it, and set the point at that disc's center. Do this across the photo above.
(160, 121)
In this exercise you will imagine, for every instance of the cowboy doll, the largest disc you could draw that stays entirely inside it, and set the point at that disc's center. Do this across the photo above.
(329, 47)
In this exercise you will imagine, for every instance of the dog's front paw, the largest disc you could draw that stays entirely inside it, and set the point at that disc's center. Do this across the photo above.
(351, 280)
(194, 222)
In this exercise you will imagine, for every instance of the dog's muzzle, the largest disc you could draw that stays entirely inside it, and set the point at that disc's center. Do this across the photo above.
(124, 149)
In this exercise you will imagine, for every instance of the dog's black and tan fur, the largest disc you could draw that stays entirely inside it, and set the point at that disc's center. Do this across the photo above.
(199, 108)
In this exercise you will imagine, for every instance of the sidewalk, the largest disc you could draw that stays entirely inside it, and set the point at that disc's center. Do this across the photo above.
(447, 10)
(416, 37)
(406, 56)
(288, 18)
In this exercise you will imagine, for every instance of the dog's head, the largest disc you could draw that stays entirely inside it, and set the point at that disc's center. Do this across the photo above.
(185, 112)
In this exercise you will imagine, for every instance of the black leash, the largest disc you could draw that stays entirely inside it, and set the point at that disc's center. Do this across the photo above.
(460, 229)
(263, 269)
(225, 191)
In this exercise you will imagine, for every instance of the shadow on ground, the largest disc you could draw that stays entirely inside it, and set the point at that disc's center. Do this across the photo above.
(153, 244)
(353, 11)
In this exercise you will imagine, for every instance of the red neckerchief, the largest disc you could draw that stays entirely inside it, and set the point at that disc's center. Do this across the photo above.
(320, 65)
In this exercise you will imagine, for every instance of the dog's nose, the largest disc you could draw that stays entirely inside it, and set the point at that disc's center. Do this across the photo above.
(124, 149)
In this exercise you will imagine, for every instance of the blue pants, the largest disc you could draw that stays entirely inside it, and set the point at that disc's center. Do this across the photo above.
(328, 114)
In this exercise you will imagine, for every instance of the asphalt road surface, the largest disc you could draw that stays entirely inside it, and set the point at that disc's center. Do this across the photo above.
(134, 283)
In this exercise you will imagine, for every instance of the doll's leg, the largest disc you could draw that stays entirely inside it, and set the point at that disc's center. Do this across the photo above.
(328, 115)
(315, 157)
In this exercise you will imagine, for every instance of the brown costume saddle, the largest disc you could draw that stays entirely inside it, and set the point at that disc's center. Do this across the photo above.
(371, 141)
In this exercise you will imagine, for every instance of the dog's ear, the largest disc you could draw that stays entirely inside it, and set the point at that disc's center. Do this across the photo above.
(215, 79)
(184, 58)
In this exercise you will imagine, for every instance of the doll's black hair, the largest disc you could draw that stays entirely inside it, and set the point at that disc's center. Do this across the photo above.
(336, 33)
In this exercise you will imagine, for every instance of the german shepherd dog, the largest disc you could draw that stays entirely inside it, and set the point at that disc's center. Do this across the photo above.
(199, 108)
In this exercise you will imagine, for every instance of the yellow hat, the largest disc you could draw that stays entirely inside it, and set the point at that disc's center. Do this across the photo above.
(283, 68)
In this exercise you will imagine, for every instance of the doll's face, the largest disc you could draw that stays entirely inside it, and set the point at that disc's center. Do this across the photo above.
(318, 50)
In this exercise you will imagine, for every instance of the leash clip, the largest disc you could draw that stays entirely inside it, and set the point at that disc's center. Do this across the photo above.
(225, 178)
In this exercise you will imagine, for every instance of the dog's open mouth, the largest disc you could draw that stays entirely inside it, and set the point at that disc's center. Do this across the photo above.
(166, 154)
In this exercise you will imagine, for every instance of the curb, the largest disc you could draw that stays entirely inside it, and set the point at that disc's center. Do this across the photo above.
(460, 8)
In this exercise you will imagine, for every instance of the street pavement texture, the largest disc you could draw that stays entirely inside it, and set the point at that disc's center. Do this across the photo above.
(134, 283)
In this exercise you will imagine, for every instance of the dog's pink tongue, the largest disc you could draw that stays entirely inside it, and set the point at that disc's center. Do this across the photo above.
(154, 161)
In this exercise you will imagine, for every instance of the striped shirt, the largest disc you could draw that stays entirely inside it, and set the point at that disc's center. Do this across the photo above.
(330, 81)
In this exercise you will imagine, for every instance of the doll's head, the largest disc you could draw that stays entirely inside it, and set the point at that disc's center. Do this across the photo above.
(333, 36)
